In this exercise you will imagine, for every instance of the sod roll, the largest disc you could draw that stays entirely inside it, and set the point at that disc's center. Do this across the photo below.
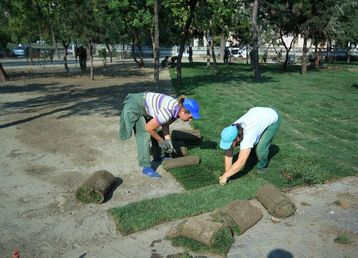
(242, 213)
(180, 148)
(181, 162)
(96, 187)
(201, 228)
(276, 202)
(187, 136)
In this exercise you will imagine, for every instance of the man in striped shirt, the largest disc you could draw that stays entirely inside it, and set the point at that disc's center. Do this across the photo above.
(145, 113)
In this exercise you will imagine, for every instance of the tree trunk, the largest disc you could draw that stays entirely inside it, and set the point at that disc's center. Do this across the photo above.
(188, 22)
(213, 51)
(54, 43)
(3, 75)
(222, 46)
(288, 49)
(65, 45)
(329, 51)
(349, 53)
(91, 58)
(317, 56)
(255, 40)
(208, 55)
(140, 63)
(156, 40)
(247, 54)
(110, 52)
(304, 55)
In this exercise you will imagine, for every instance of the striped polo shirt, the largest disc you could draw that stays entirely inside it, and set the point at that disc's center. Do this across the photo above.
(161, 107)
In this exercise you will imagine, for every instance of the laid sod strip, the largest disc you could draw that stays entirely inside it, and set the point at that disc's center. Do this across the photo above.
(148, 213)
(317, 138)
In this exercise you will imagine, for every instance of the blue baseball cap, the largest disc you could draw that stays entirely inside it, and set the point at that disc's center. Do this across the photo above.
(228, 135)
(193, 107)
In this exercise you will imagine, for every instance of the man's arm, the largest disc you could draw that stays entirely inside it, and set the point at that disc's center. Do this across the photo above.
(237, 166)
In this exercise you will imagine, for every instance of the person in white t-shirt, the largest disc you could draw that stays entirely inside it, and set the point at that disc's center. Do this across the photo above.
(255, 129)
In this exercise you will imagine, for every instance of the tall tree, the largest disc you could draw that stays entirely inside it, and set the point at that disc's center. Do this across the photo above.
(183, 12)
(255, 41)
(156, 40)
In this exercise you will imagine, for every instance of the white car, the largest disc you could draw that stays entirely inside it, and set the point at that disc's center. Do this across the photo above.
(238, 52)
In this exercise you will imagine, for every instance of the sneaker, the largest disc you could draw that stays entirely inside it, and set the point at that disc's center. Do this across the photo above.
(148, 171)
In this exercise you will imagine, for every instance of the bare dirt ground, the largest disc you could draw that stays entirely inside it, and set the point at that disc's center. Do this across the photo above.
(56, 129)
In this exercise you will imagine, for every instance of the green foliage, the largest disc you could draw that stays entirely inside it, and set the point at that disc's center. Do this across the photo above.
(343, 239)
(102, 53)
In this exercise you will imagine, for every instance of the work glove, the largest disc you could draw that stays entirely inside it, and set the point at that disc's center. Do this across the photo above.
(167, 146)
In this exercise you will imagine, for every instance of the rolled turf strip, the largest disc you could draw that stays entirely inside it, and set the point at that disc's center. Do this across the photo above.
(201, 228)
(186, 136)
(180, 149)
(181, 162)
(240, 213)
(96, 187)
(276, 202)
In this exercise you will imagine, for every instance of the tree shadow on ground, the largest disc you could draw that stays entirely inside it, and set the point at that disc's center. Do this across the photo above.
(221, 75)
(71, 100)
(114, 70)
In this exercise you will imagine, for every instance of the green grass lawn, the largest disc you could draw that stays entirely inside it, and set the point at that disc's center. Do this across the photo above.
(316, 142)
(319, 132)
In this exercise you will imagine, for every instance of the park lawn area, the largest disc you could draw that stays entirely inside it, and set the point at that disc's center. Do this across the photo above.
(316, 141)
(319, 131)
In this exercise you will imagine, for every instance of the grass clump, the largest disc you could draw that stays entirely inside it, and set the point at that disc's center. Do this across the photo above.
(222, 242)
(343, 239)
(87, 195)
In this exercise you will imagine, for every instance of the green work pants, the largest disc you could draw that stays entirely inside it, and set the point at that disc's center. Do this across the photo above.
(133, 117)
(262, 148)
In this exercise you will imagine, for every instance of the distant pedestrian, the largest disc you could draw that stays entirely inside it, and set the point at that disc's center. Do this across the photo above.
(226, 55)
(190, 53)
(82, 54)
(144, 113)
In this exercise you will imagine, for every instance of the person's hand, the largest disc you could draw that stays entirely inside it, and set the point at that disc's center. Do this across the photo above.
(167, 146)
(223, 180)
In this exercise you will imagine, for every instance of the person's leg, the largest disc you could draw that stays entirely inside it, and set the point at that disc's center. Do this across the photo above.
(132, 110)
(143, 143)
(127, 121)
(262, 148)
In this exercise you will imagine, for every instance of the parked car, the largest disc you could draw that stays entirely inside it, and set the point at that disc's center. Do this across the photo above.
(18, 51)
(238, 52)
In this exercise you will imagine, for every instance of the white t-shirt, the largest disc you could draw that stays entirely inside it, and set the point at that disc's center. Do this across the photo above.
(254, 123)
